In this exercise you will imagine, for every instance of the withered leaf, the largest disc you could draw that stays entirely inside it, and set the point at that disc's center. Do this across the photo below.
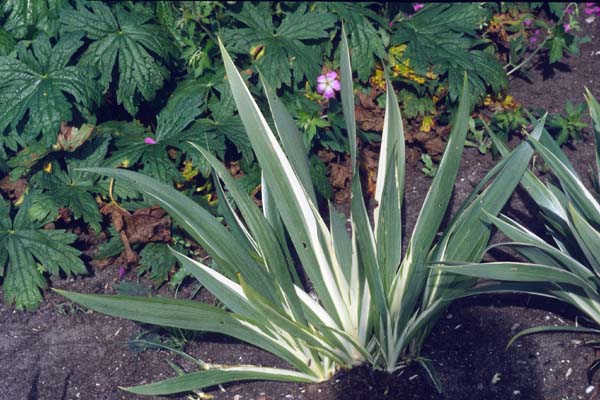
(14, 189)
(369, 115)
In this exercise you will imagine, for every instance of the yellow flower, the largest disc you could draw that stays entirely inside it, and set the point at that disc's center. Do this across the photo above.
(48, 168)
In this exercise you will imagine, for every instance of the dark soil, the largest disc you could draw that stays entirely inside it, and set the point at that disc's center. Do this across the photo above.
(63, 352)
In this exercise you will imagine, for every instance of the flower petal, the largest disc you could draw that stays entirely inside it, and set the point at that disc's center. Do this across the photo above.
(321, 87)
(321, 79)
(329, 93)
(336, 85)
(149, 140)
(331, 75)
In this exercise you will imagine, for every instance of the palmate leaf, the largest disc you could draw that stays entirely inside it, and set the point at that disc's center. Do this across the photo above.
(442, 37)
(33, 87)
(72, 188)
(156, 259)
(118, 34)
(23, 18)
(7, 42)
(29, 250)
(364, 40)
(284, 46)
(177, 123)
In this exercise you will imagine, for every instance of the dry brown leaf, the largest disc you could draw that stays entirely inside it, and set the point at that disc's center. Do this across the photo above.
(369, 116)
(143, 226)
(15, 189)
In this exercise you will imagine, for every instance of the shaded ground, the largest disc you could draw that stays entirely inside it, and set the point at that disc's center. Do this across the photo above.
(63, 352)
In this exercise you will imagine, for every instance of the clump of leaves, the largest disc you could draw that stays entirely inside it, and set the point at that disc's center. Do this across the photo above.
(445, 36)
(125, 37)
(34, 85)
(73, 188)
(520, 35)
(476, 137)
(28, 251)
(365, 32)
(278, 49)
(429, 167)
(567, 125)
(23, 19)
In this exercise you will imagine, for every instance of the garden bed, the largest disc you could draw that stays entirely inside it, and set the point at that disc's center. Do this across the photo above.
(62, 351)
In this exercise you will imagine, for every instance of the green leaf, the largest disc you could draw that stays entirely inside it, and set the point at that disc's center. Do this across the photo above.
(7, 43)
(206, 229)
(433, 375)
(285, 48)
(364, 40)
(33, 87)
(203, 379)
(444, 36)
(390, 189)
(319, 176)
(183, 314)
(572, 185)
(72, 188)
(545, 329)
(594, 109)
(30, 250)
(157, 260)
(521, 272)
(291, 140)
(177, 125)
(29, 17)
(294, 204)
(118, 35)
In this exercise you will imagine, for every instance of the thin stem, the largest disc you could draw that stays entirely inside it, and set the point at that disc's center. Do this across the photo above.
(526, 60)
(111, 186)
(541, 45)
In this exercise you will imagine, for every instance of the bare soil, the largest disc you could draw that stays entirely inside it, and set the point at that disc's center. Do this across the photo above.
(64, 352)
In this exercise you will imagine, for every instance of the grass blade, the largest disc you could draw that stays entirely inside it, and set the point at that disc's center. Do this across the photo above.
(212, 377)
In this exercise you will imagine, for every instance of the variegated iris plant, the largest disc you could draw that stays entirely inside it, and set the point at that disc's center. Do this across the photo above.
(569, 268)
(365, 301)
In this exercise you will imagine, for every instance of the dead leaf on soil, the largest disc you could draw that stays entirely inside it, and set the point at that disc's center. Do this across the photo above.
(340, 176)
(15, 189)
(369, 116)
(143, 226)
(369, 162)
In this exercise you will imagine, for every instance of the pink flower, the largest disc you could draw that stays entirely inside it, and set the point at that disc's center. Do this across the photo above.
(569, 10)
(592, 9)
(533, 40)
(567, 27)
(528, 22)
(328, 84)
(122, 272)
(149, 140)
(418, 6)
